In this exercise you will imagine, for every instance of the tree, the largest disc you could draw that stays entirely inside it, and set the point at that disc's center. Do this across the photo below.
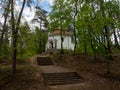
(60, 17)
(94, 24)
(23, 39)
(4, 28)
(41, 31)
(40, 40)
(41, 18)
(97, 21)
(15, 28)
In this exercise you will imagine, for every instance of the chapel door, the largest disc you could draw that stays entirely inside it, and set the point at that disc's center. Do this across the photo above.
(55, 44)
(51, 45)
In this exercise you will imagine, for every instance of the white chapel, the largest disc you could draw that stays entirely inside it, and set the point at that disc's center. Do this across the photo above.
(54, 40)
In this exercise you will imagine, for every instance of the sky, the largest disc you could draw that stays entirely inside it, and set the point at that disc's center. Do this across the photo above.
(29, 13)
(44, 4)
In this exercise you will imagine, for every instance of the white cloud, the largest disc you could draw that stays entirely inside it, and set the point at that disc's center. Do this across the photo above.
(51, 2)
(29, 13)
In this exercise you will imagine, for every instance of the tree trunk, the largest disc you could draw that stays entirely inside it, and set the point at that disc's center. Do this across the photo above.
(61, 38)
(109, 51)
(108, 42)
(116, 40)
(75, 39)
(6, 41)
(75, 36)
(15, 33)
(4, 25)
(118, 32)
(92, 42)
(13, 38)
(93, 49)
(107, 37)
(85, 48)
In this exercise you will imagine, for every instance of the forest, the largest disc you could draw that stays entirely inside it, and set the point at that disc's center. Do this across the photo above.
(95, 26)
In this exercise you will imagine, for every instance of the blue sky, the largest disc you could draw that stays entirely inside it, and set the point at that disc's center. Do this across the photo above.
(29, 13)
(46, 5)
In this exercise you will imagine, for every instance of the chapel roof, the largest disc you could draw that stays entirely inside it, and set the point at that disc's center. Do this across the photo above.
(57, 32)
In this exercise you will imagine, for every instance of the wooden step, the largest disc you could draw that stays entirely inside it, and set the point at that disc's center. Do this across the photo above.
(62, 78)
(44, 61)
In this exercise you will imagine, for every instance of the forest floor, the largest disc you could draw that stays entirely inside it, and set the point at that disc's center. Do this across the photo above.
(93, 71)
(29, 74)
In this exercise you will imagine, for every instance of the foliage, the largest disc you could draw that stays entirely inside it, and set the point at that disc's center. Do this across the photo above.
(41, 38)
(96, 22)
(17, 40)
(90, 21)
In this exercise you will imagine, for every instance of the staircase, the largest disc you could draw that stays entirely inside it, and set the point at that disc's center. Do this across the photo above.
(44, 61)
(55, 75)
(62, 78)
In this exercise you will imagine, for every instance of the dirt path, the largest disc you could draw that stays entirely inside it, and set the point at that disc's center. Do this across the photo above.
(92, 81)
(54, 69)
(58, 69)
(39, 76)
